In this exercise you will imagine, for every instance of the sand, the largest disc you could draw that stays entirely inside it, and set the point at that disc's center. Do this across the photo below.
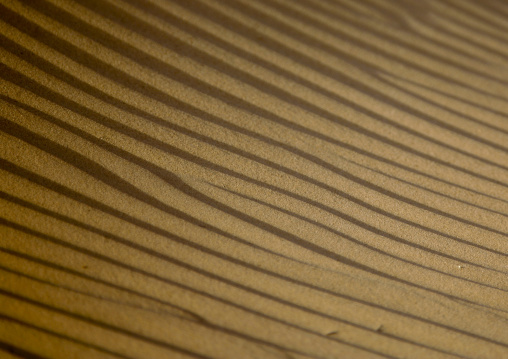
(253, 179)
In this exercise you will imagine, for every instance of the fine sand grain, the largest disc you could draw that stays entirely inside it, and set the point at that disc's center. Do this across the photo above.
(253, 179)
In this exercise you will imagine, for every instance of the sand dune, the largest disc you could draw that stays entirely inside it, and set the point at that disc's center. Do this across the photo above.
(253, 179)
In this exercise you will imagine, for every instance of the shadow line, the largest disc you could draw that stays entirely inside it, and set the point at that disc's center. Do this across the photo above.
(111, 179)
(17, 351)
(201, 322)
(167, 70)
(261, 294)
(103, 325)
(190, 289)
(25, 354)
(121, 17)
(189, 157)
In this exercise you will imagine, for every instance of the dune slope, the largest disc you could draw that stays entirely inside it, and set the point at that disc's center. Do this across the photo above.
(253, 179)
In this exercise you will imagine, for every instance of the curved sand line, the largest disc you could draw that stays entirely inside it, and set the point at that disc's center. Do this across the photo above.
(253, 179)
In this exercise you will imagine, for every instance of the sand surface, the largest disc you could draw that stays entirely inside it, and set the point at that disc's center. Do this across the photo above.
(253, 179)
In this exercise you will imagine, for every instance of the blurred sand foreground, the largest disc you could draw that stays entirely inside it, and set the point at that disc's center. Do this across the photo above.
(253, 179)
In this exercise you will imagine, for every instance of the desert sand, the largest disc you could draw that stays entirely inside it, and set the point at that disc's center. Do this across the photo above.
(253, 179)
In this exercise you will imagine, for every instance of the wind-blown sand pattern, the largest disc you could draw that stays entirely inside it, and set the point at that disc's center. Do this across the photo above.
(253, 179)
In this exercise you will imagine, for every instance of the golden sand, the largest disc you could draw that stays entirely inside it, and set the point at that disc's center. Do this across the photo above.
(253, 179)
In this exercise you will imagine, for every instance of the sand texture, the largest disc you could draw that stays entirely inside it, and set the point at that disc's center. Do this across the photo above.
(253, 179)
